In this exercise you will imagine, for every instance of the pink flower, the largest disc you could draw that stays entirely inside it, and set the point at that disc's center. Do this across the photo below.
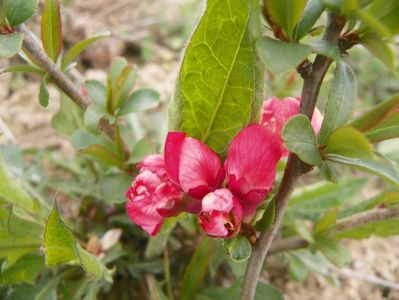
(221, 214)
(276, 112)
(152, 196)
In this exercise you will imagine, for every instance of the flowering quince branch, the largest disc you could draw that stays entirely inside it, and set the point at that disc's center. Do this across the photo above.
(313, 78)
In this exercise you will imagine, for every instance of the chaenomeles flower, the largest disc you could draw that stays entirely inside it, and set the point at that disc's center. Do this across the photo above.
(276, 112)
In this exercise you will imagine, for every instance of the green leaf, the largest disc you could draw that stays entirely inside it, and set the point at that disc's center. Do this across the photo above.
(297, 269)
(347, 141)
(141, 149)
(376, 115)
(92, 116)
(197, 268)
(156, 245)
(97, 91)
(380, 167)
(103, 155)
(10, 44)
(44, 95)
(23, 69)
(69, 118)
(238, 248)
(25, 269)
(267, 220)
(326, 48)
(383, 228)
(51, 29)
(19, 11)
(113, 187)
(334, 251)
(82, 139)
(280, 57)
(386, 130)
(123, 85)
(115, 70)
(313, 260)
(286, 13)
(299, 138)
(301, 228)
(60, 247)
(313, 11)
(371, 23)
(140, 100)
(380, 49)
(217, 86)
(326, 222)
(340, 101)
(77, 49)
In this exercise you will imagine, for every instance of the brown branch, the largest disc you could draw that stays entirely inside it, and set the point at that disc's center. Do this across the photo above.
(295, 168)
(34, 50)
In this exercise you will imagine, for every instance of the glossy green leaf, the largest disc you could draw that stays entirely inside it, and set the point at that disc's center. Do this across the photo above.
(340, 101)
(113, 187)
(386, 130)
(103, 155)
(25, 269)
(19, 11)
(218, 83)
(347, 141)
(334, 251)
(51, 29)
(197, 268)
(376, 115)
(140, 100)
(22, 69)
(77, 49)
(267, 220)
(44, 95)
(326, 48)
(10, 44)
(380, 49)
(238, 248)
(380, 167)
(286, 13)
(299, 138)
(281, 57)
(383, 228)
(313, 11)
(97, 91)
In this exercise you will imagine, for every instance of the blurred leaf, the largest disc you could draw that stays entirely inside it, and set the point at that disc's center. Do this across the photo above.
(10, 44)
(19, 11)
(238, 248)
(313, 260)
(326, 222)
(326, 48)
(69, 118)
(97, 91)
(44, 95)
(297, 269)
(299, 138)
(216, 87)
(197, 268)
(381, 228)
(140, 100)
(51, 29)
(386, 130)
(116, 69)
(93, 115)
(155, 290)
(82, 139)
(340, 101)
(301, 228)
(334, 251)
(103, 155)
(123, 85)
(267, 220)
(113, 187)
(77, 49)
(141, 149)
(380, 167)
(313, 200)
(376, 115)
(313, 11)
(380, 49)
(328, 171)
(157, 244)
(371, 23)
(286, 13)
(280, 57)
(22, 69)
(25, 269)
(347, 141)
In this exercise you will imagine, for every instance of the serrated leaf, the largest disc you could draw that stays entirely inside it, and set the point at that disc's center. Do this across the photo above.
(340, 101)
(103, 155)
(286, 13)
(299, 138)
(97, 91)
(380, 49)
(380, 167)
(216, 86)
(51, 29)
(281, 57)
(347, 141)
(10, 44)
(238, 248)
(77, 49)
(334, 251)
(267, 220)
(313, 11)
(44, 95)
(197, 268)
(140, 100)
(19, 11)
(113, 187)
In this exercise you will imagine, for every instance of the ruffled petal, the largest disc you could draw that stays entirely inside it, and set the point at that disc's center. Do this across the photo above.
(251, 164)
(155, 164)
(221, 200)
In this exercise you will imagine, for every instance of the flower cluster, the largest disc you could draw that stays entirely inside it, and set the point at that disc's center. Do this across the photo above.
(190, 177)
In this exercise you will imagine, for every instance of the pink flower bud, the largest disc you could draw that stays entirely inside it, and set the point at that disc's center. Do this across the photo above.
(221, 214)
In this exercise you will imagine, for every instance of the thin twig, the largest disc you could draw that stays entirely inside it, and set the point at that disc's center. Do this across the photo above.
(295, 168)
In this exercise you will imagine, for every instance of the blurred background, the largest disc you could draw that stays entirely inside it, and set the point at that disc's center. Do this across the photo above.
(152, 34)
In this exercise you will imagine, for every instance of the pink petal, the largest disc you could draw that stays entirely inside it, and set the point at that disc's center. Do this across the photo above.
(220, 200)
(154, 163)
(192, 165)
(251, 164)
